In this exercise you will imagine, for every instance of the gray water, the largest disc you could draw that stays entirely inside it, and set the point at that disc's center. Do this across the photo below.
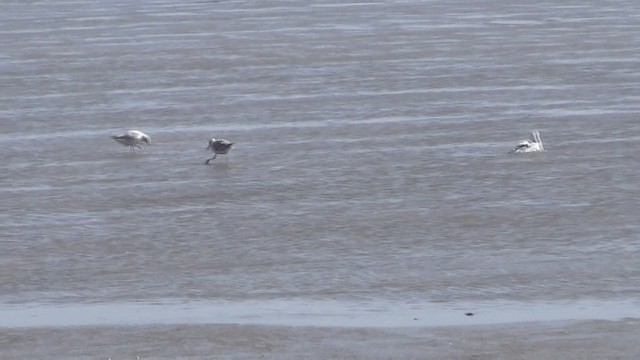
(370, 163)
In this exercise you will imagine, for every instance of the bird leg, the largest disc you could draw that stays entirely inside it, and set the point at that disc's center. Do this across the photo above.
(207, 162)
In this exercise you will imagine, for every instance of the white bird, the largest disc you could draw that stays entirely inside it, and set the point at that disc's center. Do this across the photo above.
(133, 139)
(530, 145)
(219, 146)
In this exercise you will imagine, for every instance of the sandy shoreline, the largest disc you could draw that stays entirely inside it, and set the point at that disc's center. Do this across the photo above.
(548, 340)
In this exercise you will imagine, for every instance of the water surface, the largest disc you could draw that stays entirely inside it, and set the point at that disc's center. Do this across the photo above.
(371, 156)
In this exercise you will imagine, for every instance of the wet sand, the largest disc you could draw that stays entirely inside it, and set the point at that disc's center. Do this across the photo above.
(549, 340)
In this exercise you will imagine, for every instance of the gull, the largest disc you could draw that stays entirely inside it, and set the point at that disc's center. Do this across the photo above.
(530, 145)
(219, 146)
(133, 139)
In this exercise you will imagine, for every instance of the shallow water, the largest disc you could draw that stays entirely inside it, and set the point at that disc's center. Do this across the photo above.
(371, 149)
(325, 313)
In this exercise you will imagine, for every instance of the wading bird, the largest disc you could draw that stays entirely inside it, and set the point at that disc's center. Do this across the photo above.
(133, 139)
(530, 145)
(219, 146)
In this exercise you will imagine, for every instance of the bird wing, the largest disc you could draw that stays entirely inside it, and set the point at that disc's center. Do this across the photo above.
(522, 146)
(135, 134)
(125, 137)
(221, 145)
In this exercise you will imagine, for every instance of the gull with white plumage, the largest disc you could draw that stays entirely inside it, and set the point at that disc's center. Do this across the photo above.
(530, 145)
(133, 139)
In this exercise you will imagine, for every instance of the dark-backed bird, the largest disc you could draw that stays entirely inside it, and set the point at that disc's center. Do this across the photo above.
(133, 139)
(218, 146)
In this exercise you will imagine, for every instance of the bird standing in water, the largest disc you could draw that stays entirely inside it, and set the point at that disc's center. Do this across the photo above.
(133, 139)
(530, 145)
(219, 146)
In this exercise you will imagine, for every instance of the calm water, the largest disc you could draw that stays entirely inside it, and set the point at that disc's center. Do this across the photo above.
(370, 161)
